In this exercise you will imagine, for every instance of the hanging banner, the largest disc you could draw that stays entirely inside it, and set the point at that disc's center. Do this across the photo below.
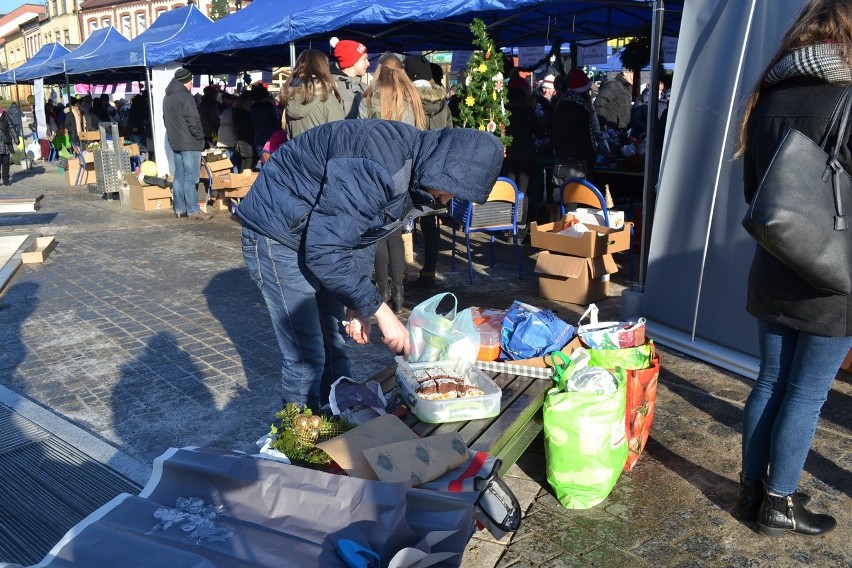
(460, 59)
(529, 56)
(669, 49)
(38, 105)
(591, 54)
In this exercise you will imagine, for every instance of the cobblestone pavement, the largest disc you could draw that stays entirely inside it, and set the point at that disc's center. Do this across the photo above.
(145, 331)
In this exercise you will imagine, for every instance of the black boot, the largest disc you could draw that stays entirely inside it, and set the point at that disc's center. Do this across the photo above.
(398, 298)
(425, 281)
(781, 514)
(750, 497)
(384, 292)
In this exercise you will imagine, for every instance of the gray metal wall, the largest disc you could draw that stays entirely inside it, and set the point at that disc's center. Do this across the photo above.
(699, 254)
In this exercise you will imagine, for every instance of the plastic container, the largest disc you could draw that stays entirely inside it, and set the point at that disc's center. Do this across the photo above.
(489, 322)
(453, 409)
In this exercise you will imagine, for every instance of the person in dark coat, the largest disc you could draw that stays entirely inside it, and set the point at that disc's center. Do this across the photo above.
(614, 101)
(572, 130)
(804, 333)
(524, 128)
(264, 117)
(16, 118)
(186, 138)
(427, 79)
(8, 138)
(310, 218)
(208, 110)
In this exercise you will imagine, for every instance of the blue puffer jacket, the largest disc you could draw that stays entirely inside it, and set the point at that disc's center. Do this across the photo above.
(342, 186)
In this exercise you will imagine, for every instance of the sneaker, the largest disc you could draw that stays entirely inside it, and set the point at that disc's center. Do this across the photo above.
(180, 215)
(201, 216)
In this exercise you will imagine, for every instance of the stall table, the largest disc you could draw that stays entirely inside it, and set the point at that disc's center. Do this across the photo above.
(505, 436)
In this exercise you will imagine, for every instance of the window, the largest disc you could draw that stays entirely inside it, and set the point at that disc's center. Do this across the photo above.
(67, 34)
(125, 25)
(64, 6)
(93, 25)
(55, 8)
(141, 22)
(106, 22)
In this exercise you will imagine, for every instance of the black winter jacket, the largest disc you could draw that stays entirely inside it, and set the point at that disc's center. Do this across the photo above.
(183, 124)
(775, 293)
(342, 186)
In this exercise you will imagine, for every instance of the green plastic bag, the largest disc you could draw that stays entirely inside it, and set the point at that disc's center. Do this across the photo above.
(631, 358)
(584, 439)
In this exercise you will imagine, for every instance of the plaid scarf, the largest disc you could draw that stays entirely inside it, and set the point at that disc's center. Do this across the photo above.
(821, 61)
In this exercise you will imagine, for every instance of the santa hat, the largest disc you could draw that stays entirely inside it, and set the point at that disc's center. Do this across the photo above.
(347, 52)
(578, 81)
(547, 82)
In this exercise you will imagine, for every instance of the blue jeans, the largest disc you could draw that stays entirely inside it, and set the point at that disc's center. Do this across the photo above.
(185, 184)
(781, 413)
(305, 316)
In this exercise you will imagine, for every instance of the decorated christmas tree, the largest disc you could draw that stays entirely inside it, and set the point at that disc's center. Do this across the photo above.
(219, 9)
(482, 95)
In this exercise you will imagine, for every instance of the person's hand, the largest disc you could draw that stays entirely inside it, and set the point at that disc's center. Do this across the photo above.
(394, 333)
(357, 326)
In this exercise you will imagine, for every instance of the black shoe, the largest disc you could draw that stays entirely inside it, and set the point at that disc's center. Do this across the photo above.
(397, 298)
(180, 215)
(384, 292)
(782, 514)
(750, 498)
(423, 283)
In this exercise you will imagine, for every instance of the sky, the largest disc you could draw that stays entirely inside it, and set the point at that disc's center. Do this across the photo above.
(7, 6)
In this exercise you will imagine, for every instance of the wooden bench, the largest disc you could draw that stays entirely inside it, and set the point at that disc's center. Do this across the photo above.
(20, 203)
(505, 436)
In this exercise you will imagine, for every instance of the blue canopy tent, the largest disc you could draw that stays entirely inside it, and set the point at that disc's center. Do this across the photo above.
(259, 35)
(44, 55)
(129, 62)
(102, 42)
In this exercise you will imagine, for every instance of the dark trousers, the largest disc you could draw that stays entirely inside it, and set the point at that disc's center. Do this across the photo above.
(4, 168)
(390, 252)
(431, 243)
(520, 173)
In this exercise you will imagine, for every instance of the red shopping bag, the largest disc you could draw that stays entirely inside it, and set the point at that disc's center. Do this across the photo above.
(641, 401)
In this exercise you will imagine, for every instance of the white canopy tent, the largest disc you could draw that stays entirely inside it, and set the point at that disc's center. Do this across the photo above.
(699, 255)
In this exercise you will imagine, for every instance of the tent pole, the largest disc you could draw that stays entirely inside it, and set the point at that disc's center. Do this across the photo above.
(150, 110)
(651, 171)
(292, 54)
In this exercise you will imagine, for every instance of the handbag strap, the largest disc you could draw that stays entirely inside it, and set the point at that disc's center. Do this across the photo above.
(835, 117)
(834, 166)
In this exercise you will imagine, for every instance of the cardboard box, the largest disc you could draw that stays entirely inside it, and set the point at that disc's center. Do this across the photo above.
(215, 162)
(147, 197)
(598, 241)
(90, 136)
(131, 149)
(74, 168)
(38, 250)
(230, 180)
(574, 279)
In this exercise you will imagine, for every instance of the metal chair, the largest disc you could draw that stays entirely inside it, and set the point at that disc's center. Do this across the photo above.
(498, 214)
(582, 192)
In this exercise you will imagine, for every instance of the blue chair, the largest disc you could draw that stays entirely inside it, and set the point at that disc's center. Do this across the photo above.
(582, 192)
(498, 214)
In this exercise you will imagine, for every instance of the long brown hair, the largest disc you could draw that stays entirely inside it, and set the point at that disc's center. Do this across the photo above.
(395, 90)
(311, 70)
(820, 21)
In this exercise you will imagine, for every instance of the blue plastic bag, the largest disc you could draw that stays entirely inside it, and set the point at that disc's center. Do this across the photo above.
(532, 332)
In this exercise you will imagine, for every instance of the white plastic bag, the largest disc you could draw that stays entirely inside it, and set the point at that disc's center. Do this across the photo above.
(435, 336)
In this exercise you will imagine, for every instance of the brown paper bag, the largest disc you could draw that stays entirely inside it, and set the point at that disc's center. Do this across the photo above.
(418, 461)
(347, 450)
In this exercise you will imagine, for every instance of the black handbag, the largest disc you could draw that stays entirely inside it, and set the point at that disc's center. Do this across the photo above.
(797, 212)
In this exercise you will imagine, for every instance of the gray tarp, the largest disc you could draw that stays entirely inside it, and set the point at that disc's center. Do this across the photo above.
(205, 507)
(699, 254)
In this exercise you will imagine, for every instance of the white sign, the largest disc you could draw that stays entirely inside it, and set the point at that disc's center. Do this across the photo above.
(591, 54)
(669, 49)
(529, 56)
(460, 59)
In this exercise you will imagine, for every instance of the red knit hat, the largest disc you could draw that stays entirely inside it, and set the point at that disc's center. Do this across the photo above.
(347, 52)
(578, 81)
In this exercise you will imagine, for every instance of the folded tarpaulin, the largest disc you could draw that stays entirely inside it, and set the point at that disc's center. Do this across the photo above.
(205, 507)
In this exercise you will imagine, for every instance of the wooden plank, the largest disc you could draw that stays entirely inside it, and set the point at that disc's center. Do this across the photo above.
(20, 203)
